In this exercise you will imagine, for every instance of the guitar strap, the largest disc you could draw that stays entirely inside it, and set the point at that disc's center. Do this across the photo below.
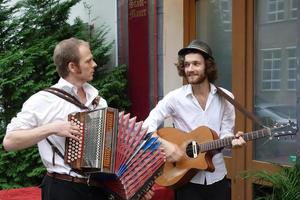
(239, 107)
(70, 98)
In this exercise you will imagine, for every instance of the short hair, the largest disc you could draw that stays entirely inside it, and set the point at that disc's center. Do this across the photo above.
(65, 52)
(210, 66)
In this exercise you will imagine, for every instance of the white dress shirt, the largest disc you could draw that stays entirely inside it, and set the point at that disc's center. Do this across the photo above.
(45, 107)
(186, 113)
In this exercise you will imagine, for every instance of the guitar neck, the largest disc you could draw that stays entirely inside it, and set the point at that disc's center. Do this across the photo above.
(220, 143)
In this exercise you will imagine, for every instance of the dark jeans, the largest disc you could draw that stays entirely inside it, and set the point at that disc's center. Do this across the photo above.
(55, 189)
(218, 191)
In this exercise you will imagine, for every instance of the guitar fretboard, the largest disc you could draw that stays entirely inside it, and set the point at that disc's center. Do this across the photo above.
(220, 143)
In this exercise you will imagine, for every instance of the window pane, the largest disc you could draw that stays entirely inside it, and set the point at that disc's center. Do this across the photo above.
(292, 85)
(213, 25)
(280, 6)
(266, 75)
(276, 70)
(277, 64)
(293, 9)
(292, 74)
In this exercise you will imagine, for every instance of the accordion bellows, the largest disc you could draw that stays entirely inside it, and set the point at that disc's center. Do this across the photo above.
(115, 149)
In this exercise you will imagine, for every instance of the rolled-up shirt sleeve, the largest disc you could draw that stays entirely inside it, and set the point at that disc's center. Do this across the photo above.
(26, 118)
(228, 121)
(157, 115)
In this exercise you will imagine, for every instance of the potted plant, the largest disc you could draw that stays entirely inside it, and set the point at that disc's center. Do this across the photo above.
(284, 184)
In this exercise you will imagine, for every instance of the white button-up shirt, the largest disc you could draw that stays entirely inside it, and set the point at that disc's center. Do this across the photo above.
(186, 113)
(44, 107)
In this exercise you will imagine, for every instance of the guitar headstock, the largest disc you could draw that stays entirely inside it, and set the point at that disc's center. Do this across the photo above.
(289, 128)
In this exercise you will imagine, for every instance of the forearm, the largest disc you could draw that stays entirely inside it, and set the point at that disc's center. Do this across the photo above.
(21, 139)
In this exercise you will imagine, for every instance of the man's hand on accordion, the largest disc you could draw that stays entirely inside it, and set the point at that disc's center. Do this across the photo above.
(65, 129)
(148, 195)
(172, 151)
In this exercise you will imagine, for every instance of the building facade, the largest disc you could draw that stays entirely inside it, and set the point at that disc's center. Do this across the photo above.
(100, 13)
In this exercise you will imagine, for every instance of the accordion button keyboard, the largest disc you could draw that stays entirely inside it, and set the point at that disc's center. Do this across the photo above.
(74, 146)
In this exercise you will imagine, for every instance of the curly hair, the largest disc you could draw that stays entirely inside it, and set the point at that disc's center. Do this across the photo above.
(210, 66)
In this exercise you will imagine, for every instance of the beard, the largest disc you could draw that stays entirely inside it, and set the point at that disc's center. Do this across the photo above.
(196, 78)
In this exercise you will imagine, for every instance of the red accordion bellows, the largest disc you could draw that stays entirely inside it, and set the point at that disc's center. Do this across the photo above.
(115, 150)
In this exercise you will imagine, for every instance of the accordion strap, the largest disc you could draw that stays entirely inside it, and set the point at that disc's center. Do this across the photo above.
(55, 150)
(66, 96)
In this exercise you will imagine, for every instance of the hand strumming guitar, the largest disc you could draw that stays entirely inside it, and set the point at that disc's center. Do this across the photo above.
(172, 151)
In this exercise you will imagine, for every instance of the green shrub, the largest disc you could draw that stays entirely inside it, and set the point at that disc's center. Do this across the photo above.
(285, 184)
(27, 41)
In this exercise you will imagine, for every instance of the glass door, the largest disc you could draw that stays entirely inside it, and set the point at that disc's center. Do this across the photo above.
(256, 46)
(276, 71)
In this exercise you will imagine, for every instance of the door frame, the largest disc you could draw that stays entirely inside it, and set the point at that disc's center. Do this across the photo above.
(242, 69)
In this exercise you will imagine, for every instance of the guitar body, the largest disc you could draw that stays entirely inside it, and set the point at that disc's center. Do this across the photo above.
(200, 146)
(179, 173)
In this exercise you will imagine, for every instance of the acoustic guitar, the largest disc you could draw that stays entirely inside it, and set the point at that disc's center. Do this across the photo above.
(200, 146)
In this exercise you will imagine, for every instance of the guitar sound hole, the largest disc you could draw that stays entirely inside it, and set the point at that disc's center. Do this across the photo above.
(192, 150)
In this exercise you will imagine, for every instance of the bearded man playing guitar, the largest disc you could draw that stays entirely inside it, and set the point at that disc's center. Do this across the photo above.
(191, 106)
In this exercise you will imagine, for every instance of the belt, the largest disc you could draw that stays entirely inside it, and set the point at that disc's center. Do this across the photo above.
(66, 177)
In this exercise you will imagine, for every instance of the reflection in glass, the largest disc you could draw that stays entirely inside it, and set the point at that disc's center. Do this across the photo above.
(214, 26)
(276, 76)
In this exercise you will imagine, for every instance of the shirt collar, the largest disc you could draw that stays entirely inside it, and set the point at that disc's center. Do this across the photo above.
(91, 91)
(189, 90)
(213, 89)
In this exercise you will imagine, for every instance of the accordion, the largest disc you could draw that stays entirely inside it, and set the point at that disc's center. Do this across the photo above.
(114, 149)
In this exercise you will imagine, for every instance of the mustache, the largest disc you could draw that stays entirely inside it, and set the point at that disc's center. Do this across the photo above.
(191, 74)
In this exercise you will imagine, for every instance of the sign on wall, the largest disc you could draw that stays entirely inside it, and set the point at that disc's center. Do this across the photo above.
(138, 52)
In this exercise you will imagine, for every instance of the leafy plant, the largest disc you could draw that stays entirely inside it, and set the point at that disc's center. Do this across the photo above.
(113, 87)
(285, 184)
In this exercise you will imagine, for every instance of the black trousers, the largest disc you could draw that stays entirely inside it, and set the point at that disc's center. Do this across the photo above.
(218, 191)
(56, 189)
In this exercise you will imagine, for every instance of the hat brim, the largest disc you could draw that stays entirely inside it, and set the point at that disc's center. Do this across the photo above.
(184, 51)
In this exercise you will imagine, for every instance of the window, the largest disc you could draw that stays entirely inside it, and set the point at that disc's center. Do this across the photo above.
(275, 10)
(213, 25)
(292, 67)
(225, 9)
(271, 62)
(293, 9)
(276, 67)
